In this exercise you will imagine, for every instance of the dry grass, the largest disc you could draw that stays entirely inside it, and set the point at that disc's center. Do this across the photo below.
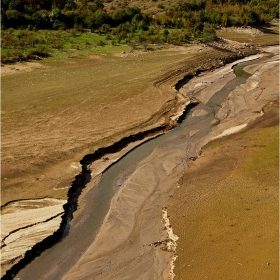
(264, 36)
(226, 210)
(56, 112)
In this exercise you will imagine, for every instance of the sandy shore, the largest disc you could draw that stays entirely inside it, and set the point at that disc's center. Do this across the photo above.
(131, 241)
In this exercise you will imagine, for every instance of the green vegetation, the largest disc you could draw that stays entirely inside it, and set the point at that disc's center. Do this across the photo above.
(66, 23)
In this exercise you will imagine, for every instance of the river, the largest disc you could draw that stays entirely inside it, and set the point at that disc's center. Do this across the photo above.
(56, 261)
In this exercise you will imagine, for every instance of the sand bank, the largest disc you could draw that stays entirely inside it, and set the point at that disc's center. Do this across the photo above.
(122, 249)
(25, 223)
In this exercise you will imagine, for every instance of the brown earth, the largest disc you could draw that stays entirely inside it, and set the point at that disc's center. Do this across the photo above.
(131, 241)
(55, 113)
(226, 210)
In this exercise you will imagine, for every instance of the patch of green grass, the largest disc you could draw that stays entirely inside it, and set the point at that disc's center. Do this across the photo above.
(20, 43)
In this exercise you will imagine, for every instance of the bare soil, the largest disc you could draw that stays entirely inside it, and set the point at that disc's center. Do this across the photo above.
(225, 210)
(131, 241)
(55, 113)
(262, 36)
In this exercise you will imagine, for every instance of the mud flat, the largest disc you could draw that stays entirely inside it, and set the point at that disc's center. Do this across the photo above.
(132, 240)
(136, 210)
(52, 184)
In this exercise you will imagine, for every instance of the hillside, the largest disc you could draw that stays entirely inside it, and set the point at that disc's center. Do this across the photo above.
(36, 29)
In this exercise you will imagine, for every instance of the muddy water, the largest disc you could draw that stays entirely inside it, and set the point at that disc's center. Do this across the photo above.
(56, 261)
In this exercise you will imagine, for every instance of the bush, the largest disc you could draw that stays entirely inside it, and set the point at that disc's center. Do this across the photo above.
(4, 58)
(15, 19)
(57, 45)
(39, 51)
(253, 18)
(208, 33)
(59, 25)
(100, 43)
(16, 56)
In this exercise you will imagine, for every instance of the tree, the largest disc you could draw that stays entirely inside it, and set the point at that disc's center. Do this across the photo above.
(15, 19)
(97, 19)
(16, 5)
(165, 33)
(208, 33)
(41, 19)
(96, 5)
(253, 18)
(59, 4)
(105, 28)
(57, 19)
(143, 26)
(4, 22)
(225, 20)
(124, 15)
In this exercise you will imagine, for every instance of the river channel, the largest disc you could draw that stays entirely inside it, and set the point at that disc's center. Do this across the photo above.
(56, 261)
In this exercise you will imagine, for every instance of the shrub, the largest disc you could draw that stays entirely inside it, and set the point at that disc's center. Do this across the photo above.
(18, 56)
(100, 43)
(4, 58)
(39, 51)
(57, 45)
(208, 33)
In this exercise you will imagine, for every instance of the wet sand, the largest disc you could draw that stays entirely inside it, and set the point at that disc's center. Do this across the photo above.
(130, 241)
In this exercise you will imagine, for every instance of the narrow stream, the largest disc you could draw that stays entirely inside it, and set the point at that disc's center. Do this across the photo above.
(56, 261)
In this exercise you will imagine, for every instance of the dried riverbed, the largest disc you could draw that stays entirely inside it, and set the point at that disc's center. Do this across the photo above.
(136, 209)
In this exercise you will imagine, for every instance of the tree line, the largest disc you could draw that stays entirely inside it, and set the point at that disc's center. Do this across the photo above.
(190, 20)
(190, 15)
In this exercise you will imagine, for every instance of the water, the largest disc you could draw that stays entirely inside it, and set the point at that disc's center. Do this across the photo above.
(56, 261)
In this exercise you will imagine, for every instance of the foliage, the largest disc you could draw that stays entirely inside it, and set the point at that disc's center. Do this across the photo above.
(62, 14)
(193, 19)
(208, 33)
